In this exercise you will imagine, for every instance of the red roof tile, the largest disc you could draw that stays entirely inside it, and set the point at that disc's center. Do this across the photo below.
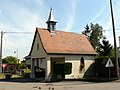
(65, 42)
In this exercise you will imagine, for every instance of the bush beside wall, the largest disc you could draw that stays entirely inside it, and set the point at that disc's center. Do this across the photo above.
(101, 70)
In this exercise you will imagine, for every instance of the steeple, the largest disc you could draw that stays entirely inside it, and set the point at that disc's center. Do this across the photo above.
(51, 22)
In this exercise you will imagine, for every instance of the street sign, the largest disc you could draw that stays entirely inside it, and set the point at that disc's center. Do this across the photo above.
(4, 65)
(109, 63)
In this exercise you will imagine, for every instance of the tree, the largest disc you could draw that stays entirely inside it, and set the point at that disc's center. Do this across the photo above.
(94, 33)
(105, 49)
(11, 65)
(22, 65)
(86, 31)
(10, 60)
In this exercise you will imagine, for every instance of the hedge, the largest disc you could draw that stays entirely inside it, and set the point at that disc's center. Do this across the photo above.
(63, 68)
(101, 70)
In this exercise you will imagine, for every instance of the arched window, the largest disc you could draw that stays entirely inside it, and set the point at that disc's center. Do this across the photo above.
(82, 64)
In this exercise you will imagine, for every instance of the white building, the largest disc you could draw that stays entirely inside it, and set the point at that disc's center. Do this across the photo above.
(51, 46)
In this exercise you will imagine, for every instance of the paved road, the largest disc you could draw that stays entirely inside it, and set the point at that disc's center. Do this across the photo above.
(64, 85)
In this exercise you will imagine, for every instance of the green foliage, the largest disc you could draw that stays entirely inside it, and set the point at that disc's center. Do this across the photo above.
(63, 68)
(67, 68)
(8, 74)
(10, 60)
(105, 49)
(1, 75)
(86, 31)
(26, 73)
(27, 70)
(21, 66)
(94, 33)
(101, 70)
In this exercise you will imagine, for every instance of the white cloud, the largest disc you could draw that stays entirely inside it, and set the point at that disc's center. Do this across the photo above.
(71, 15)
(39, 2)
(102, 10)
(20, 19)
(12, 42)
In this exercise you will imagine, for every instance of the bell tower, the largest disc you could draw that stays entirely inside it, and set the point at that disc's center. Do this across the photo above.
(51, 22)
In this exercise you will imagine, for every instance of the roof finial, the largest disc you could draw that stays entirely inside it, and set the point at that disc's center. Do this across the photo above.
(51, 21)
(51, 8)
(51, 16)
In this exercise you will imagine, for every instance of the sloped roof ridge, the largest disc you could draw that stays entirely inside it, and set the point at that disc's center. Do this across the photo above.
(41, 28)
(62, 31)
(70, 32)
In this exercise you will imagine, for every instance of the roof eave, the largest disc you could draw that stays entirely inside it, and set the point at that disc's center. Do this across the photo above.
(54, 53)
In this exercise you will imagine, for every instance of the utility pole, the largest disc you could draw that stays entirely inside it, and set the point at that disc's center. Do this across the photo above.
(2, 33)
(1, 44)
(114, 36)
(16, 52)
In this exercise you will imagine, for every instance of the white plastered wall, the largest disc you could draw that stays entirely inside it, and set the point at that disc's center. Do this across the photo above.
(38, 53)
(75, 60)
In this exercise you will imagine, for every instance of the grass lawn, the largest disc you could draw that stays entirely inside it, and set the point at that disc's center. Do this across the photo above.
(13, 76)
(1, 75)
(17, 76)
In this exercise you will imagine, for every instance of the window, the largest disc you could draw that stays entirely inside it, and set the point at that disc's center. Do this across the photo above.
(37, 47)
(82, 65)
(53, 26)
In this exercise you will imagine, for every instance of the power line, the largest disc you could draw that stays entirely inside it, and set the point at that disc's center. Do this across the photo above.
(20, 32)
(116, 4)
(1, 39)
(16, 32)
(111, 29)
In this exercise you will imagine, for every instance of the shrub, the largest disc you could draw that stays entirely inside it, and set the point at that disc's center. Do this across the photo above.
(67, 68)
(63, 68)
(26, 73)
(8, 75)
(101, 70)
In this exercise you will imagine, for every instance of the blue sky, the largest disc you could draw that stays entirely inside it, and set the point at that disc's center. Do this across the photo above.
(71, 15)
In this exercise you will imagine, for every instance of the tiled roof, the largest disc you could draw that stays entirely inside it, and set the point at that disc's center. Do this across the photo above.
(62, 42)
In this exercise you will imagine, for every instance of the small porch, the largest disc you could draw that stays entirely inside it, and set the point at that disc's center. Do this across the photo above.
(37, 68)
(51, 68)
(42, 68)
(57, 68)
